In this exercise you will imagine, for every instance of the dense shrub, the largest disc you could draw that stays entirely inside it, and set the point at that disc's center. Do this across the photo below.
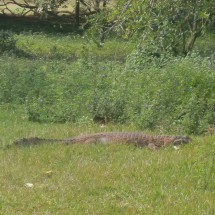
(20, 80)
(7, 42)
(181, 93)
(62, 91)
(172, 94)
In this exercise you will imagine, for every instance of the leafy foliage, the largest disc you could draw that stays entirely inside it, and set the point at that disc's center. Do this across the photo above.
(171, 27)
(173, 93)
(7, 41)
(180, 93)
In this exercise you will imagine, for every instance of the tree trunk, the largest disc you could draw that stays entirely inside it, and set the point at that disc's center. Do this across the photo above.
(104, 3)
(193, 33)
(77, 12)
(191, 42)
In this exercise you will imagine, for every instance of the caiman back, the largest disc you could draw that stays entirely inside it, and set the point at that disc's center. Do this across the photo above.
(138, 139)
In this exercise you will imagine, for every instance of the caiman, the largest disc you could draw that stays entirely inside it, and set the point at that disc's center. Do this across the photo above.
(138, 139)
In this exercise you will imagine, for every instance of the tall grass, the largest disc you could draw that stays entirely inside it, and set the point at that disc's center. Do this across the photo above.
(177, 95)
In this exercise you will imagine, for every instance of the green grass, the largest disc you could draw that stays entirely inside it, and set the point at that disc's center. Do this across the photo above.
(101, 179)
(71, 47)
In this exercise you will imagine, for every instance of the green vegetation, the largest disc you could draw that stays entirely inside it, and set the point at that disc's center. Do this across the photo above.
(161, 26)
(59, 81)
(7, 41)
(97, 179)
(71, 47)
(172, 94)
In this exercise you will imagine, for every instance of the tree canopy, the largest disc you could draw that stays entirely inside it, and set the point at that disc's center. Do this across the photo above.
(170, 25)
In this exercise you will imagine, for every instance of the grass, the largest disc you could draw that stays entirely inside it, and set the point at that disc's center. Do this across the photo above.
(101, 179)
(71, 47)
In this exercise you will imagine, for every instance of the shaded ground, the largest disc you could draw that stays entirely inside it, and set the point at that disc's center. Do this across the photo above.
(19, 24)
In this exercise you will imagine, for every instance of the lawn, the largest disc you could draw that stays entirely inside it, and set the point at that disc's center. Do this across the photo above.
(101, 179)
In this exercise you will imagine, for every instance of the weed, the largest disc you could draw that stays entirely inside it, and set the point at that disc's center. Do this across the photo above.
(179, 95)
(7, 42)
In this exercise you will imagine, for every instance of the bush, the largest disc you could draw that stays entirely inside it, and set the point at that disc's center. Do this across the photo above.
(20, 80)
(7, 41)
(180, 94)
(177, 94)
(82, 89)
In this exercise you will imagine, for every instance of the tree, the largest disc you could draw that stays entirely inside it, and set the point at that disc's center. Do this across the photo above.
(172, 25)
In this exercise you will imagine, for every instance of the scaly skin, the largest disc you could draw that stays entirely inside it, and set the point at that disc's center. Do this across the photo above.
(138, 139)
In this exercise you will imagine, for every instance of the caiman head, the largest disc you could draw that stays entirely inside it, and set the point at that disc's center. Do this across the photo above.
(179, 140)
